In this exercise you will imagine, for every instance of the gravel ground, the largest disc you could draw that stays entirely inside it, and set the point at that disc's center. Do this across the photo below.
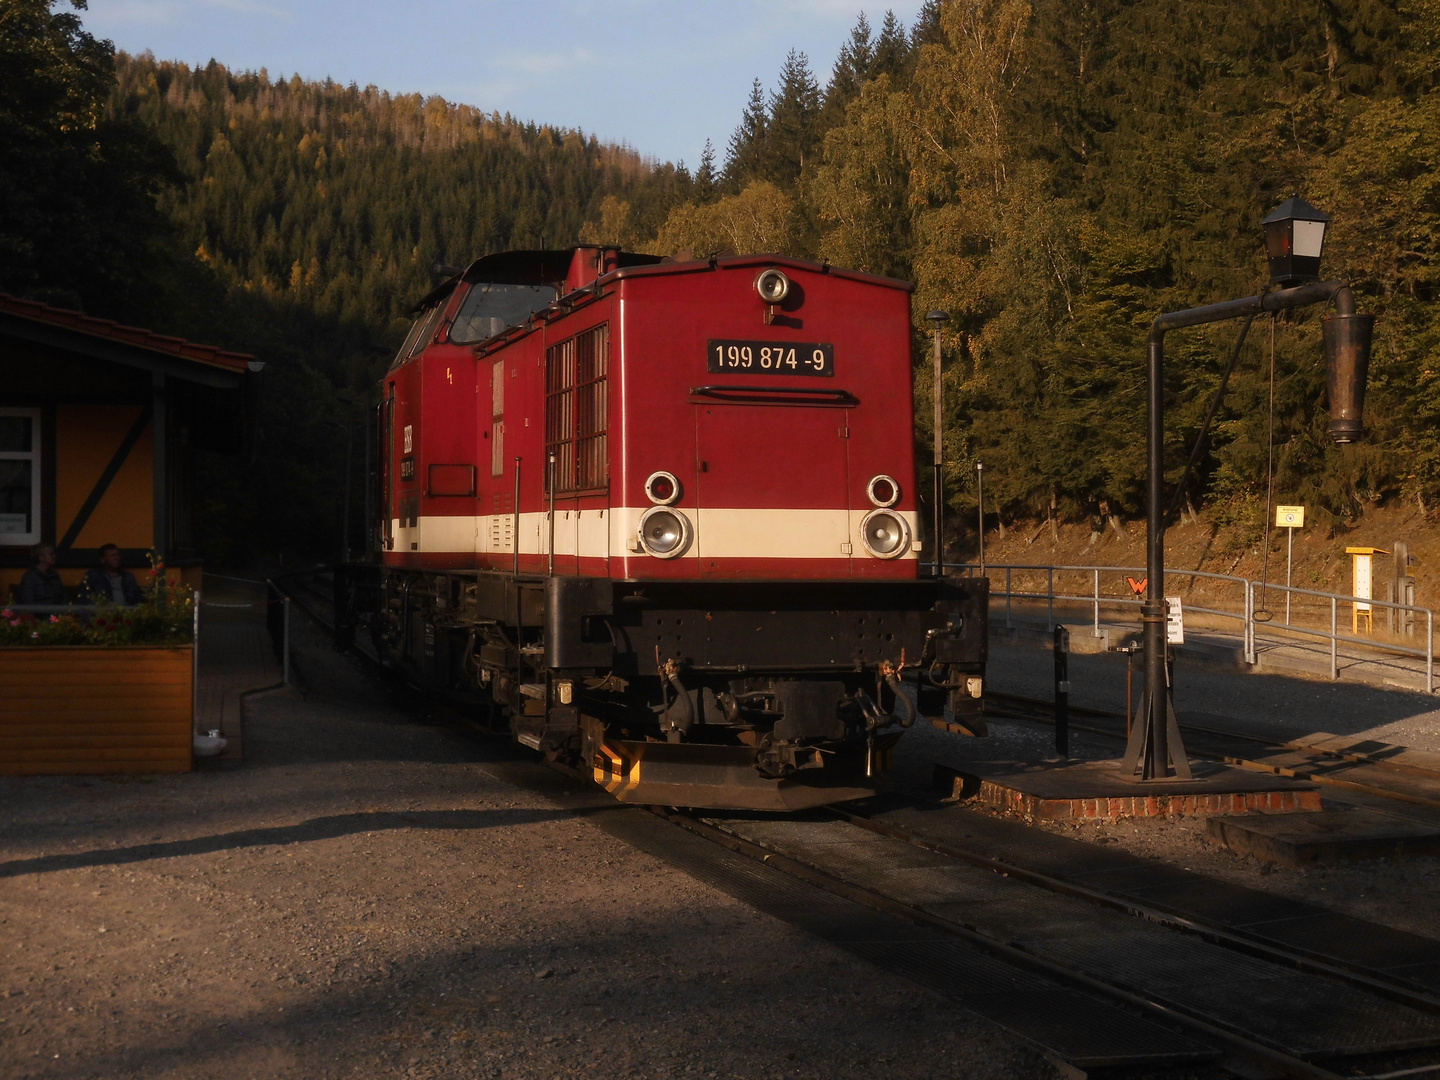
(1403, 893)
(367, 897)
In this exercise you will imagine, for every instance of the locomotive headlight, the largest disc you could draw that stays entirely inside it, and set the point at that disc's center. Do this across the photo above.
(772, 285)
(885, 534)
(664, 533)
(662, 488)
(883, 490)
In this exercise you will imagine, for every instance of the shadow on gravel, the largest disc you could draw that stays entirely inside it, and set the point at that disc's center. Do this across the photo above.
(321, 828)
(448, 1010)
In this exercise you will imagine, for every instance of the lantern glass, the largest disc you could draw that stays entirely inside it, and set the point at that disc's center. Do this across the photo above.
(1277, 239)
(1309, 239)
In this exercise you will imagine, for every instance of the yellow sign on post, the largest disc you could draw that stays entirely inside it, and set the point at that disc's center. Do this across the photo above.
(1290, 517)
(1363, 587)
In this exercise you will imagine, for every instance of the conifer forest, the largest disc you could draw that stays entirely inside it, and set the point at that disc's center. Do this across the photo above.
(1053, 173)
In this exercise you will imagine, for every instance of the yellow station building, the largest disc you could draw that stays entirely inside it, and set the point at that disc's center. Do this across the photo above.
(98, 427)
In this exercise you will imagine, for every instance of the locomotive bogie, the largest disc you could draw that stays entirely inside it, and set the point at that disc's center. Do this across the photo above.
(794, 680)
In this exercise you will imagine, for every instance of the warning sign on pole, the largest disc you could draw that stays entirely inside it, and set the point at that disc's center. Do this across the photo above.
(1174, 621)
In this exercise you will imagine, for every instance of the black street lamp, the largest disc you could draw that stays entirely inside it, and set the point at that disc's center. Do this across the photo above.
(1294, 238)
(980, 510)
(1295, 235)
(937, 319)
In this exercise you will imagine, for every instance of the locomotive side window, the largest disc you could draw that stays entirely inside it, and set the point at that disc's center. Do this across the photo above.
(410, 336)
(422, 331)
(497, 421)
(489, 308)
(576, 410)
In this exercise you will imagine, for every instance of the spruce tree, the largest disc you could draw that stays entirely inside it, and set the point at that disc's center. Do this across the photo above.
(705, 176)
(744, 160)
(926, 30)
(793, 133)
(892, 48)
(852, 68)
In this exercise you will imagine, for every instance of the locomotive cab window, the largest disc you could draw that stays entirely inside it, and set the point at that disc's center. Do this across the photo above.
(421, 331)
(489, 308)
(577, 409)
(410, 336)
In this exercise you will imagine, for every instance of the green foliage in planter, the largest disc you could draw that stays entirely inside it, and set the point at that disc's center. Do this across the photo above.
(165, 617)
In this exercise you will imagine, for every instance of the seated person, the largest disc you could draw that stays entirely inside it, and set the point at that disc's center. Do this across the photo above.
(41, 584)
(107, 583)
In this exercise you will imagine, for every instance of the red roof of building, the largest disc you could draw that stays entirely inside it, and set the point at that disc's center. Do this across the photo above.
(110, 330)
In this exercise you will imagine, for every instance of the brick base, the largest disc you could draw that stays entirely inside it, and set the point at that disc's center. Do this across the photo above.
(1113, 808)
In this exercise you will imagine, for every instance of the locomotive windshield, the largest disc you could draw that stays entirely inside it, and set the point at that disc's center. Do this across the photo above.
(490, 307)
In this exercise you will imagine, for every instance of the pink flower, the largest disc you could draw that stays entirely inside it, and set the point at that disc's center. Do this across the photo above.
(7, 614)
(14, 622)
(54, 618)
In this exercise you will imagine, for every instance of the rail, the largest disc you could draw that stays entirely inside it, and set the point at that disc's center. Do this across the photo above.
(1249, 616)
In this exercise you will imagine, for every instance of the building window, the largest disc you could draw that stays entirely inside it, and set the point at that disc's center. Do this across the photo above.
(576, 409)
(19, 476)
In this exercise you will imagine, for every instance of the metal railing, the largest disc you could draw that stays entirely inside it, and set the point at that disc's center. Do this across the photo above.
(1335, 637)
(1248, 615)
(277, 622)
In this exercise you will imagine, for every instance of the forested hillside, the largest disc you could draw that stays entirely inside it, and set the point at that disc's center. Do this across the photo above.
(1056, 173)
(339, 201)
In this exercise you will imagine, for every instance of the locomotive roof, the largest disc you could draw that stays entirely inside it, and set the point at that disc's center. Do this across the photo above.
(548, 267)
(674, 266)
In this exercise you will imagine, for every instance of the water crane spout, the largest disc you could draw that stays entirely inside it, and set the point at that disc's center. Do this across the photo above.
(1347, 365)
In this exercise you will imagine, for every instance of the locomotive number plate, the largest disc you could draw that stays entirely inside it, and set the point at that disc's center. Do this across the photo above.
(770, 357)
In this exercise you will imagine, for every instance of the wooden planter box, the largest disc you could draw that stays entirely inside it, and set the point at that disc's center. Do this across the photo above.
(96, 709)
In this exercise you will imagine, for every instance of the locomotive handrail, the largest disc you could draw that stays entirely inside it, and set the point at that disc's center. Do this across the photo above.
(1247, 617)
(777, 395)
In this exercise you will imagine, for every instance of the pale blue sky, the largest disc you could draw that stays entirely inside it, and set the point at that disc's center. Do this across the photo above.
(661, 75)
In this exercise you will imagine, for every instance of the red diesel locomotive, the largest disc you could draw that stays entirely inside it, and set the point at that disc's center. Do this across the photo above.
(658, 518)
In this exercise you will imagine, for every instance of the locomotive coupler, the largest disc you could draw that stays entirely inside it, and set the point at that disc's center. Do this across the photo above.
(890, 674)
(678, 717)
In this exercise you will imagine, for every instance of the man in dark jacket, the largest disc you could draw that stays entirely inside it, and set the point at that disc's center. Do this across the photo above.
(108, 584)
(41, 584)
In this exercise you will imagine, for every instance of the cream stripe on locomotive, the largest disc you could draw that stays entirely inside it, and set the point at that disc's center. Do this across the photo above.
(718, 534)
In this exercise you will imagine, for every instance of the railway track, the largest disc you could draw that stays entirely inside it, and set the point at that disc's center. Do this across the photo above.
(1103, 961)
(1271, 1010)
(304, 592)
